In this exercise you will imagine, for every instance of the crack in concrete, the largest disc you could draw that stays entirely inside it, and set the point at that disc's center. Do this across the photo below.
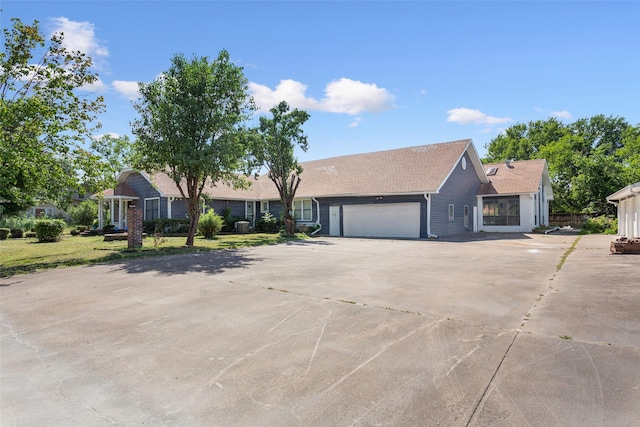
(375, 356)
(490, 383)
(54, 375)
(519, 330)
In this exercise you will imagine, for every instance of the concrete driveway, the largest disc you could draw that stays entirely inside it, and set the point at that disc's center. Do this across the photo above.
(499, 330)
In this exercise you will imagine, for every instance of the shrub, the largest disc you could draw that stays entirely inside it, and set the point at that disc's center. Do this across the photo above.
(210, 224)
(600, 225)
(4, 233)
(166, 225)
(85, 213)
(17, 233)
(108, 229)
(49, 230)
(74, 232)
(16, 222)
(268, 224)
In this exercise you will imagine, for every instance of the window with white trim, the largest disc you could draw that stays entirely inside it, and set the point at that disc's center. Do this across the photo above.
(264, 206)
(302, 210)
(451, 213)
(151, 208)
(501, 210)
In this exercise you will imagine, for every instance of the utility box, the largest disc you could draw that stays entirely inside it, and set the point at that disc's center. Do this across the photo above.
(242, 227)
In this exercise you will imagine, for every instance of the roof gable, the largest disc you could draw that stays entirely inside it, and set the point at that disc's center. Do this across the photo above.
(419, 169)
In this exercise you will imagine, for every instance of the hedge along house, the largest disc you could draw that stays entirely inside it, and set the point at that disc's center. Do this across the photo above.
(516, 199)
(415, 192)
(628, 202)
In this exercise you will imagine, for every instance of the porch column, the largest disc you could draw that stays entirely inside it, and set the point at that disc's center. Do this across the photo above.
(120, 219)
(111, 209)
(100, 212)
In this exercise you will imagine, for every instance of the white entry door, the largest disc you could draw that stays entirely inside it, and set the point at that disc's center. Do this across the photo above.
(334, 220)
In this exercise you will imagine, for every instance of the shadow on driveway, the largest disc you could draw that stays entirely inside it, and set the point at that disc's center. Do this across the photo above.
(212, 262)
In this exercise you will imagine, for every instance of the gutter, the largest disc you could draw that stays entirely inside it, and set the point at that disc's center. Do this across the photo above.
(317, 216)
(427, 197)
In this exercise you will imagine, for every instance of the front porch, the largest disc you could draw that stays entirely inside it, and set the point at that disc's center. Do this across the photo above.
(117, 202)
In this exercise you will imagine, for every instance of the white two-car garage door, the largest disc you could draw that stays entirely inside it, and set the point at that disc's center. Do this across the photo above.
(382, 220)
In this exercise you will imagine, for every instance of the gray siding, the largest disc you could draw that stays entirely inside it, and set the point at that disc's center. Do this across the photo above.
(460, 190)
(237, 207)
(141, 186)
(145, 190)
(179, 209)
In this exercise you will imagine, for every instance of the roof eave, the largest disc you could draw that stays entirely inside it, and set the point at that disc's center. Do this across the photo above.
(625, 193)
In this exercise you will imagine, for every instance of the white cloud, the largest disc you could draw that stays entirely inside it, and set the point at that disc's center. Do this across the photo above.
(102, 135)
(355, 122)
(97, 86)
(564, 114)
(79, 36)
(341, 96)
(126, 88)
(354, 97)
(465, 116)
(287, 90)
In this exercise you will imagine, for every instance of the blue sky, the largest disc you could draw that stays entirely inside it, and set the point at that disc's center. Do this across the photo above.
(373, 75)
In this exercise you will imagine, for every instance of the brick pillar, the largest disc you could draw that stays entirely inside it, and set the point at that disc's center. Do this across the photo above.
(134, 227)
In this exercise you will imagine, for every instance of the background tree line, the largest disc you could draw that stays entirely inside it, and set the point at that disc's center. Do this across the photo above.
(588, 159)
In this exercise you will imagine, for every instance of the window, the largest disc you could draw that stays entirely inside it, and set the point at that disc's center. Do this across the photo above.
(451, 213)
(151, 209)
(466, 216)
(302, 210)
(42, 212)
(264, 206)
(501, 210)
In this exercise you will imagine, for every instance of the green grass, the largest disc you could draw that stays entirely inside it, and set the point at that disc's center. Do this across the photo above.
(19, 256)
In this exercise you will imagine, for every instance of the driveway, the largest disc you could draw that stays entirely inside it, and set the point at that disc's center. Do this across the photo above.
(496, 330)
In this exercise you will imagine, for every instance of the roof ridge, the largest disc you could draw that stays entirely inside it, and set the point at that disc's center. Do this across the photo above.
(459, 141)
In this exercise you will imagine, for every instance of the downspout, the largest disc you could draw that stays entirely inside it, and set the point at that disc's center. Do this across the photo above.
(317, 217)
(427, 197)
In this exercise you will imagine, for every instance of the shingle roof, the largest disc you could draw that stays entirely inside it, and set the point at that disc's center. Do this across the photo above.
(518, 177)
(419, 169)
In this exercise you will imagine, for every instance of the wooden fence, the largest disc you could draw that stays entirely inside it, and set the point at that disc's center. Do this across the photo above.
(564, 219)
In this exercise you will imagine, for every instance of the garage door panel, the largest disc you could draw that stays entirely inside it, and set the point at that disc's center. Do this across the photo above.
(382, 220)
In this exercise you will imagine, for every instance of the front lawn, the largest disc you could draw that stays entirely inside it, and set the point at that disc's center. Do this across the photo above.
(18, 256)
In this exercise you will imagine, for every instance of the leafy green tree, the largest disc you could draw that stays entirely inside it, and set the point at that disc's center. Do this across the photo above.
(588, 159)
(43, 117)
(190, 126)
(85, 213)
(105, 157)
(273, 148)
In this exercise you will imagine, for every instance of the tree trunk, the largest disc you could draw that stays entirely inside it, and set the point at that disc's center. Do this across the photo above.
(289, 221)
(194, 215)
(193, 225)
